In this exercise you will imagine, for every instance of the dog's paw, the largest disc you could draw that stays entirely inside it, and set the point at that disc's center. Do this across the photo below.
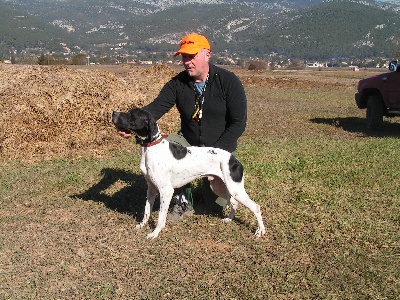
(152, 235)
(226, 220)
(260, 232)
(140, 226)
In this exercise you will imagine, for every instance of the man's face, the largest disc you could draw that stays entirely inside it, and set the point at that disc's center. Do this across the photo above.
(197, 64)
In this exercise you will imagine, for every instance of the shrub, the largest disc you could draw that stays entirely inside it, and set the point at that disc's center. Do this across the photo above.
(258, 65)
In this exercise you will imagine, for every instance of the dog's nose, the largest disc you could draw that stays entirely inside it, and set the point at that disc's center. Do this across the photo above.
(115, 116)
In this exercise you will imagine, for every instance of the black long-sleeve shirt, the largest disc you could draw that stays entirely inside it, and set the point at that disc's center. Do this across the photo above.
(224, 111)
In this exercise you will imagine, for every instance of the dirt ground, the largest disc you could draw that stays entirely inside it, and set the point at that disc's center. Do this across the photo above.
(64, 111)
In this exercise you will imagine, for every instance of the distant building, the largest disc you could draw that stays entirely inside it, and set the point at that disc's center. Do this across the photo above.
(315, 65)
(354, 68)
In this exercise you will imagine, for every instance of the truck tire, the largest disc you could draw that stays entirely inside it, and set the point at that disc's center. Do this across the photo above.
(374, 112)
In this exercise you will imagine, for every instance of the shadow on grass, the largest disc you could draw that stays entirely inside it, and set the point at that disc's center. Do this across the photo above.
(130, 196)
(358, 125)
(130, 199)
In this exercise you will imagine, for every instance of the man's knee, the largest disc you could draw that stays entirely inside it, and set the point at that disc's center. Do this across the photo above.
(178, 139)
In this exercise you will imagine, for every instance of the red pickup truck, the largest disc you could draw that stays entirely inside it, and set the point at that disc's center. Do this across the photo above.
(380, 95)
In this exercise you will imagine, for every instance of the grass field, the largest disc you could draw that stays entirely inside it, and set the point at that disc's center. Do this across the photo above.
(329, 192)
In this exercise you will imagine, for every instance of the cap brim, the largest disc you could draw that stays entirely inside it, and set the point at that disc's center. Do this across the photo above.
(187, 50)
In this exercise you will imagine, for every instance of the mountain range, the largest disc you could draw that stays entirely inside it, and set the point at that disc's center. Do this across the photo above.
(303, 29)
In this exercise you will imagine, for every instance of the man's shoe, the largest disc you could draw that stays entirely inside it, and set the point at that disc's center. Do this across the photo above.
(179, 211)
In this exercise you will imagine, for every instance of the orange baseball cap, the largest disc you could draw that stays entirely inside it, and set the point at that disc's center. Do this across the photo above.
(193, 43)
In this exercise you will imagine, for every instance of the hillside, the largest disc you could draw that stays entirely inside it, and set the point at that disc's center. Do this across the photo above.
(337, 29)
(296, 29)
(21, 31)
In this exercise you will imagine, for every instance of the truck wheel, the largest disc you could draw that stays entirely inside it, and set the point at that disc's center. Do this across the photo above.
(374, 112)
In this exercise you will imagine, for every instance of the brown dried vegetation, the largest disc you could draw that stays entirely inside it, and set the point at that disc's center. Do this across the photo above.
(61, 112)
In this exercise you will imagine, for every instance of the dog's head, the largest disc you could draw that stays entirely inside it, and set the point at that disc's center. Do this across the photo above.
(137, 121)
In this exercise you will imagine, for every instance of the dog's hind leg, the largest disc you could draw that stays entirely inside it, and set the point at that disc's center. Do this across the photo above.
(165, 199)
(233, 204)
(234, 180)
(244, 198)
(218, 186)
(150, 199)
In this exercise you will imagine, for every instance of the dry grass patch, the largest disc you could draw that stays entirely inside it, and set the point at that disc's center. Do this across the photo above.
(49, 112)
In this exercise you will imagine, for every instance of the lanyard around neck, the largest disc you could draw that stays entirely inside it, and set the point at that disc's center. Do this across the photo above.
(198, 112)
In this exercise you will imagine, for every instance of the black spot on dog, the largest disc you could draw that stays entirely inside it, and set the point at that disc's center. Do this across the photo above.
(177, 151)
(236, 169)
(211, 151)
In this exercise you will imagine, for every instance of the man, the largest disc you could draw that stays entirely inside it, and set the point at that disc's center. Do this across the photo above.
(212, 105)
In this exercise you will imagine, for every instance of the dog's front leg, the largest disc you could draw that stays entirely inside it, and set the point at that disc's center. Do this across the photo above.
(150, 199)
(165, 199)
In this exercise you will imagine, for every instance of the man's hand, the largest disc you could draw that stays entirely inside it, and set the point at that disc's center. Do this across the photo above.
(124, 134)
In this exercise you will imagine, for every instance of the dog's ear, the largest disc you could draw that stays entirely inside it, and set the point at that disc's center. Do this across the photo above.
(151, 127)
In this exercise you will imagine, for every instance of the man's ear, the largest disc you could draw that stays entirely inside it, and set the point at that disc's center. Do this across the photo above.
(207, 55)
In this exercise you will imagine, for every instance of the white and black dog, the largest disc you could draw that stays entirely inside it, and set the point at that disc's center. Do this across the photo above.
(167, 166)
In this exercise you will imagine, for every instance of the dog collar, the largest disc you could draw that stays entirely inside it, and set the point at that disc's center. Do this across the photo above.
(155, 142)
